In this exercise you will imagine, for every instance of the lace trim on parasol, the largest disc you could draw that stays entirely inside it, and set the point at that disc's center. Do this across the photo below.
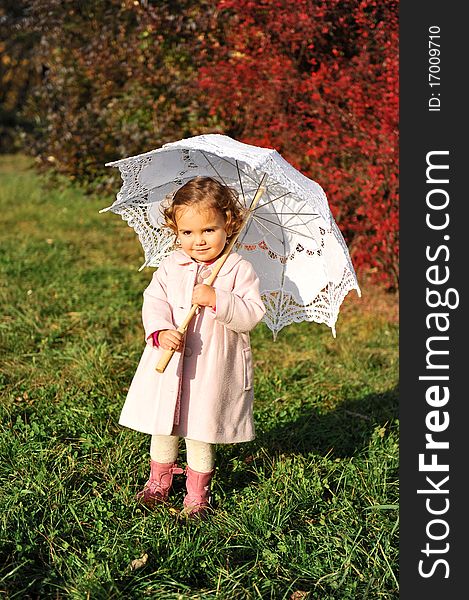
(157, 243)
(131, 186)
(282, 309)
(281, 257)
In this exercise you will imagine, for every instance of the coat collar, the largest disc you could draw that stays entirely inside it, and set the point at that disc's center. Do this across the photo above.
(182, 258)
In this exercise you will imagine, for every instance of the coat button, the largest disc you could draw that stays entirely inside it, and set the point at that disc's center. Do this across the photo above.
(187, 351)
(205, 272)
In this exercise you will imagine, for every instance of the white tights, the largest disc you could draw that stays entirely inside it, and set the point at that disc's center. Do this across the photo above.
(200, 455)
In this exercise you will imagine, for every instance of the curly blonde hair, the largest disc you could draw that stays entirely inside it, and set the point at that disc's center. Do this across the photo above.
(207, 193)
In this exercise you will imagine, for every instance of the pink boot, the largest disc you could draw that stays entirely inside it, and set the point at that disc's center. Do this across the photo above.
(197, 500)
(156, 489)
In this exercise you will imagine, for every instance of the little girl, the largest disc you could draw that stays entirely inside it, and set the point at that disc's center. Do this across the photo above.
(205, 395)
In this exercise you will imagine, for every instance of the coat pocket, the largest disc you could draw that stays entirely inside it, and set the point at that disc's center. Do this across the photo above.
(247, 368)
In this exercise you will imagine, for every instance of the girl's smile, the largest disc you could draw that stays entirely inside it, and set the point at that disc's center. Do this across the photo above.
(201, 233)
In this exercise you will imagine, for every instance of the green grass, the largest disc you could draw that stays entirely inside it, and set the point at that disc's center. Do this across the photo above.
(307, 510)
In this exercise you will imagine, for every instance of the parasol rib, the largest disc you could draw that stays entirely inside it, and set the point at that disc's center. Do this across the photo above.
(241, 183)
(291, 213)
(274, 199)
(245, 173)
(282, 227)
(216, 171)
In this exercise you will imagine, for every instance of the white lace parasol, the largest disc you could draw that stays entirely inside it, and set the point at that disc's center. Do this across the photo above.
(292, 240)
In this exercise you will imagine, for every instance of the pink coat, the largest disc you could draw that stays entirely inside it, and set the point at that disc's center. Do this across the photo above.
(206, 392)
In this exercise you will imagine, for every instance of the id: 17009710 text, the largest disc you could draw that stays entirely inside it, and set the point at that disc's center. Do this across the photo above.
(434, 102)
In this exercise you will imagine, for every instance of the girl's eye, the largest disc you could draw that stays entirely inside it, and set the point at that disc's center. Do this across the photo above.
(209, 230)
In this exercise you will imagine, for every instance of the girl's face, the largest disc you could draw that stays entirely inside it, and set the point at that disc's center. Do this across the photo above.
(201, 232)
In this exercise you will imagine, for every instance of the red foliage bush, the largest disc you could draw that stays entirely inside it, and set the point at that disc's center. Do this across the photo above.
(315, 79)
(318, 80)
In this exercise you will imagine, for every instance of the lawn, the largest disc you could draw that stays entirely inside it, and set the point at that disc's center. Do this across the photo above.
(308, 510)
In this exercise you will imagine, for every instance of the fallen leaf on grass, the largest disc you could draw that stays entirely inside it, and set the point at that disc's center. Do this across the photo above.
(138, 563)
(299, 595)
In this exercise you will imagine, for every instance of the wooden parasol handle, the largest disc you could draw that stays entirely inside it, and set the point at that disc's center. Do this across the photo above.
(167, 355)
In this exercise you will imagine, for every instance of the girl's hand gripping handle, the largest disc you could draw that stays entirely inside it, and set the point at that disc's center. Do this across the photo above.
(167, 355)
